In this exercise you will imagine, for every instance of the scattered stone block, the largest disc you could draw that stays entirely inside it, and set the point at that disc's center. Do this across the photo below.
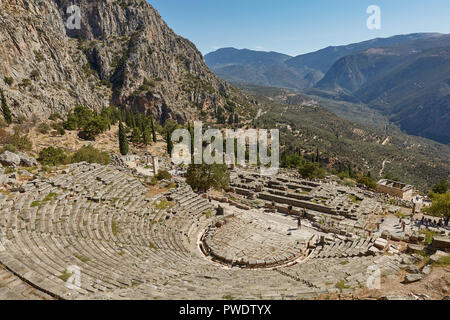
(410, 278)
(438, 255)
(426, 270)
(441, 243)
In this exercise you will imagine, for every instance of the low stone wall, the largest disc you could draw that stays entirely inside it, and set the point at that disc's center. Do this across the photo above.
(296, 203)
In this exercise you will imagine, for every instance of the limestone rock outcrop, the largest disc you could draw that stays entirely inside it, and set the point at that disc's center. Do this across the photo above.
(123, 54)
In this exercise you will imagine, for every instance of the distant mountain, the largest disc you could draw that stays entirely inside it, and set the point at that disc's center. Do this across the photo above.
(408, 82)
(254, 67)
(323, 59)
(275, 69)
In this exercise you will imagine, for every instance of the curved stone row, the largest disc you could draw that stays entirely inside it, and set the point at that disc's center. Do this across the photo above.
(128, 244)
(240, 241)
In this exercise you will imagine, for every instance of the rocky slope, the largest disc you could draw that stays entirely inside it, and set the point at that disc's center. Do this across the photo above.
(124, 54)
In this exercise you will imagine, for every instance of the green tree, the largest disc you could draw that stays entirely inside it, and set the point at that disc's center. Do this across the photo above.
(71, 122)
(290, 161)
(440, 205)
(93, 128)
(230, 119)
(78, 118)
(367, 181)
(311, 170)
(147, 136)
(206, 176)
(169, 144)
(136, 135)
(91, 155)
(153, 129)
(129, 119)
(441, 187)
(220, 116)
(5, 109)
(123, 142)
(52, 156)
(21, 141)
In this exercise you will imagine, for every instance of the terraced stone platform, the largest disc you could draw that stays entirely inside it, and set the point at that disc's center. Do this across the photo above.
(94, 232)
(250, 240)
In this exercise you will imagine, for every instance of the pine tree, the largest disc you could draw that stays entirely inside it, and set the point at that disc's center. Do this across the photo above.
(169, 144)
(230, 119)
(129, 119)
(123, 143)
(317, 156)
(5, 109)
(153, 129)
(147, 136)
(136, 135)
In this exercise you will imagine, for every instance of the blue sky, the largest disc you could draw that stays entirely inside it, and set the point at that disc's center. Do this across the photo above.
(296, 26)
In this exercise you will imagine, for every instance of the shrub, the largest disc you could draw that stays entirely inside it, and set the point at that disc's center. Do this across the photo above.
(348, 182)
(204, 177)
(5, 109)
(38, 55)
(154, 181)
(367, 181)
(54, 116)
(59, 127)
(52, 156)
(440, 205)
(8, 147)
(91, 155)
(21, 141)
(78, 118)
(25, 82)
(163, 175)
(35, 74)
(43, 128)
(93, 128)
(311, 170)
(441, 187)
(9, 81)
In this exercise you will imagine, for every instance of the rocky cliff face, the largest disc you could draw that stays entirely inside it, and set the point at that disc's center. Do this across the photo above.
(123, 54)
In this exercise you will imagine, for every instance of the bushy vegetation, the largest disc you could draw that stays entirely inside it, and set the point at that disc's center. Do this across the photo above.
(5, 109)
(9, 148)
(19, 141)
(123, 142)
(59, 128)
(441, 187)
(307, 169)
(52, 156)
(206, 176)
(91, 155)
(163, 175)
(89, 122)
(440, 205)
(43, 128)
(367, 181)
